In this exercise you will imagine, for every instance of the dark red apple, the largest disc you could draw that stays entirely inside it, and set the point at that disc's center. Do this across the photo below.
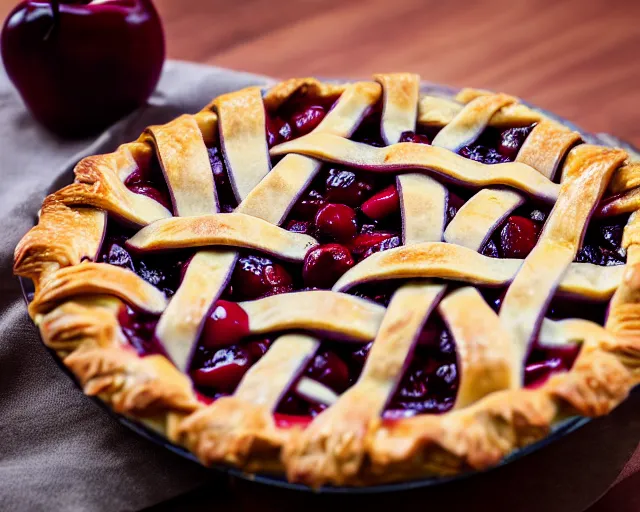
(82, 65)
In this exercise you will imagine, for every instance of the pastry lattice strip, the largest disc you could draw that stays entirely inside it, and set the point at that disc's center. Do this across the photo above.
(266, 195)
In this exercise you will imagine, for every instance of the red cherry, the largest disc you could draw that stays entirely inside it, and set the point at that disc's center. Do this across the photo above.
(153, 193)
(278, 131)
(416, 138)
(365, 241)
(544, 362)
(302, 226)
(328, 369)
(258, 348)
(430, 334)
(382, 204)
(308, 119)
(140, 176)
(323, 265)
(366, 244)
(337, 221)
(139, 329)
(227, 324)
(345, 187)
(258, 276)
(80, 66)
(307, 207)
(291, 420)
(511, 140)
(518, 237)
(225, 369)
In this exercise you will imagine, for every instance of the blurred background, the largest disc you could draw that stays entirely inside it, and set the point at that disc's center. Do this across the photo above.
(578, 58)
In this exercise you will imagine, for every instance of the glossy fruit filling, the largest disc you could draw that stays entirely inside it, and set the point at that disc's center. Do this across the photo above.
(149, 181)
(353, 214)
(164, 271)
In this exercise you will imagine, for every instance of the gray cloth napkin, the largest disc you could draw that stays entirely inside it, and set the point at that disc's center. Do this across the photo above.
(59, 450)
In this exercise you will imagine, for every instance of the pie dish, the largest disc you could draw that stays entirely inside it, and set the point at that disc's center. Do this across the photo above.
(348, 284)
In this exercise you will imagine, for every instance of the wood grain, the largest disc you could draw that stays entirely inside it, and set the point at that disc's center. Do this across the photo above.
(576, 58)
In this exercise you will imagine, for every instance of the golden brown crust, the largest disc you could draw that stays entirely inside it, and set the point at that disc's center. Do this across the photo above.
(400, 105)
(448, 261)
(439, 111)
(272, 198)
(469, 123)
(476, 218)
(185, 163)
(424, 202)
(242, 124)
(623, 319)
(481, 435)
(585, 176)
(333, 447)
(100, 183)
(222, 229)
(598, 382)
(132, 384)
(77, 302)
(107, 366)
(545, 147)
(486, 357)
(83, 323)
(180, 324)
(625, 178)
(430, 159)
(235, 432)
(97, 279)
(63, 237)
(332, 314)
(282, 91)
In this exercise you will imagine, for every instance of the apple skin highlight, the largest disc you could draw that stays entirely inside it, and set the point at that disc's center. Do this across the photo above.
(81, 66)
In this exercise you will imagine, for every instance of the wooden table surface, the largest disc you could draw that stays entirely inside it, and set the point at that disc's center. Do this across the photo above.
(577, 58)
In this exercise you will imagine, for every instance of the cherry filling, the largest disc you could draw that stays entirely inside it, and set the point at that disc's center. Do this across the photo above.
(224, 191)
(353, 214)
(544, 362)
(217, 372)
(256, 276)
(164, 271)
(149, 181)
(225, 325)
(139, 329)
(430, 383)
(495, 146)
(603, 242)
(296, 117)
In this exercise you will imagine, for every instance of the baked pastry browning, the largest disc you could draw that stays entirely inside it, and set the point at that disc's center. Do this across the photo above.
(347, 284)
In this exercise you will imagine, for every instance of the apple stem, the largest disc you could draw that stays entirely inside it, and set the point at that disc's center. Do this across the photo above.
(55, 6)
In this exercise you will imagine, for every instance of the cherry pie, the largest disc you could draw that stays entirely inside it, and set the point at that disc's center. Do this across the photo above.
(349, 284)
